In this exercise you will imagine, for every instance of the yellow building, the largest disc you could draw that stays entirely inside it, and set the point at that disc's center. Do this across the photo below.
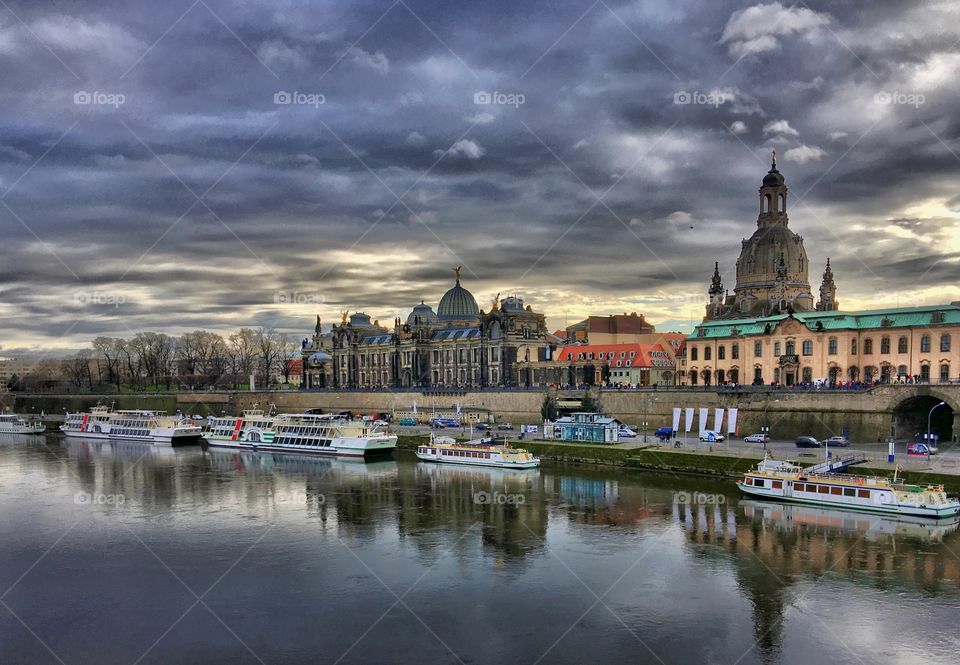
(913, 344)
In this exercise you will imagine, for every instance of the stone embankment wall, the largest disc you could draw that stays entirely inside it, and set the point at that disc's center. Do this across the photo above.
(866, 415)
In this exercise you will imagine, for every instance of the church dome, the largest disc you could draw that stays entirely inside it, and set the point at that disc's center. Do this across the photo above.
(512, 304)
(773, 178)
(458, 304)
(422, 314)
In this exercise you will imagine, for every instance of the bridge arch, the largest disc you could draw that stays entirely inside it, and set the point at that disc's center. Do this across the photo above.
(911, 411)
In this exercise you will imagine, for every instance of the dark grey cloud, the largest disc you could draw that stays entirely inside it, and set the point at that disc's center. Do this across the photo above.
(301, 198)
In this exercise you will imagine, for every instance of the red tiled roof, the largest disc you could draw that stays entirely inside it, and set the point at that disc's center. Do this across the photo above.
(644, 355)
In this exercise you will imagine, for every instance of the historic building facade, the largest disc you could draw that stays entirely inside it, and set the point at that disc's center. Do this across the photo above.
(458, 345)
(914, 344)
(772, 271)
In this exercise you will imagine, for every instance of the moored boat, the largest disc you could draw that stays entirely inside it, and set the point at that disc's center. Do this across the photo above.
(318, 434)
(788, 481)
(13, 424)
(479, 452)
(102, 422)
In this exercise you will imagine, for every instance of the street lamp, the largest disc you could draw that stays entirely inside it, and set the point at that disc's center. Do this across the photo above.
(929, 416)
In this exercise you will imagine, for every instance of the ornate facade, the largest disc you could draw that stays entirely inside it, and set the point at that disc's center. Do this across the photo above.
(911, 344)
(459, 345)
(772, 271)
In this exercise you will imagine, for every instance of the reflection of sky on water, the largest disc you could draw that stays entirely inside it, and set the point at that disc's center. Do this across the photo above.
(303, 546)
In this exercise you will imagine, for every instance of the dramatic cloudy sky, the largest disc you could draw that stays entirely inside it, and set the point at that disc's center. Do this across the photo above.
(182, 196)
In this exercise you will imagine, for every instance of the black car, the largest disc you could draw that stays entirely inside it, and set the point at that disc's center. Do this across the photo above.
(481, 427)
(807, 442)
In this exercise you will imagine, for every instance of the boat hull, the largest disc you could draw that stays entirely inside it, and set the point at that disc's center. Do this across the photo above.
(158, 437)
(531, 464)
(343, 449)
(934, 512)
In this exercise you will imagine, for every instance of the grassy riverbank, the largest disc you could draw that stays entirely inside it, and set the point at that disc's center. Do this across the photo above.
(672, 461)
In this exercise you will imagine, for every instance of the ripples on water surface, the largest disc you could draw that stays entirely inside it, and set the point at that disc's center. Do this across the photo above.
(125, 553)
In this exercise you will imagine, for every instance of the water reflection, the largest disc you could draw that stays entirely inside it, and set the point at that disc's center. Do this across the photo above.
(757, 559)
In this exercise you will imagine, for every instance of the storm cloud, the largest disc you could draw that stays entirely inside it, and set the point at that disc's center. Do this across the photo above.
(204, 164)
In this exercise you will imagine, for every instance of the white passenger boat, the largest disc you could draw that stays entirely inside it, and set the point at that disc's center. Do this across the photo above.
(322, 434)
(13, 424)
(156, 427)
(787, 481)
(478, 452)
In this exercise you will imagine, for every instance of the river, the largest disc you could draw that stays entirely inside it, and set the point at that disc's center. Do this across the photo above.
(127, 553)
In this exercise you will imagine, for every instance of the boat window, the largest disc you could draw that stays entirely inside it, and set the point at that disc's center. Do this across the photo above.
(777, 484)
(748, 481)
(863, 494)
(799, 487)
(823, 489)
(836, 490)
(849, 491)
(759, 482)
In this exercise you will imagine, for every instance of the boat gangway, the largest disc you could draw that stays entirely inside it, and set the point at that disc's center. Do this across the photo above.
(837, 464)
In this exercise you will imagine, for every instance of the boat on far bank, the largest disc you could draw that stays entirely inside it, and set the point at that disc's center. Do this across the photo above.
(478, 452)
(788, 481)
(14, 424)
(102, 422)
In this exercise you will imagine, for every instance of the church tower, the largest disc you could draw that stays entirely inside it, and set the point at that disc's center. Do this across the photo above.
(772, 271)
(716, 294)
(828, 292)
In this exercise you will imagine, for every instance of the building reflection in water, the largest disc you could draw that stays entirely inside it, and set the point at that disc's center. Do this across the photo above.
(778, 550)
(774, 552)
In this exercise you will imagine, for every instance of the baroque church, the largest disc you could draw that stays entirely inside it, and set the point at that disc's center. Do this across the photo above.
(458, 345)
(772, 271)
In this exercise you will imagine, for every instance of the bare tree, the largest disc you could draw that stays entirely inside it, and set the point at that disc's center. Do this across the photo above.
(242, 352)
(289, 351)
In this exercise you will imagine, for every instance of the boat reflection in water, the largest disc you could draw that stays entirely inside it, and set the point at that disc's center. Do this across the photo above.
(84, 448)
(253, 462)
(869, 526)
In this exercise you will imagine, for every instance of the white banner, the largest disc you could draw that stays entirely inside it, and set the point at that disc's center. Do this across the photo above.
(676, 419)
(717, 420)
(414, 407)
(704, 414)
(689, 419)
(731, 421)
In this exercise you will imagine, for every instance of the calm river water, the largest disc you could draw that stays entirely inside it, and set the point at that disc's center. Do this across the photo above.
(125, 553)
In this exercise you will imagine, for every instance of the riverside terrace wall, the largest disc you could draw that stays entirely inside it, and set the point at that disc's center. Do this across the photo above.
(867, 415)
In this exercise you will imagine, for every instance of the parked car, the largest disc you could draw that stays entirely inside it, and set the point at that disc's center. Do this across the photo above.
(408, 422)
(837, 442)
(756, 438)
(197, 416)
(504, 426)
(711, 436)
(440, 423)
(665, 433)
(806, 442)
(626, 432)
(481, 427)
(921, 449)
(380, 423)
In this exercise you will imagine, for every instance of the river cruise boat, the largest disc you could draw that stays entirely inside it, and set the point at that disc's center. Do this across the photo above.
(12, 424)
(252, 427)
(787, 481)
(323, 434)
(477, 452)
(102, 422)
